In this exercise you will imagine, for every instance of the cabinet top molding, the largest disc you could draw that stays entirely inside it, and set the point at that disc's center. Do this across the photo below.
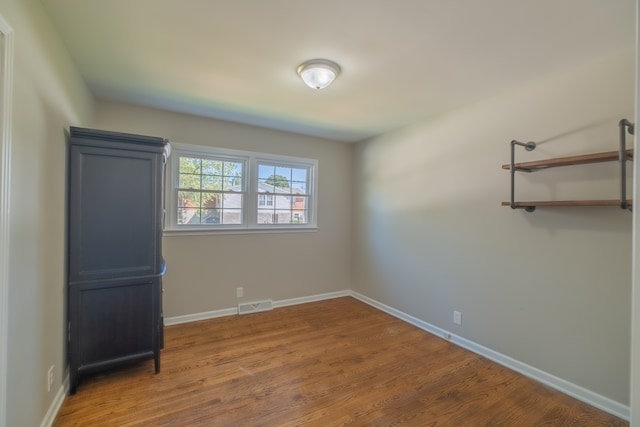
(78, 134)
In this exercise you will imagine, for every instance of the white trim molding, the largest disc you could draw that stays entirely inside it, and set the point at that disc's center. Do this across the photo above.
(55, 406)
(176, 320)
(6, 105)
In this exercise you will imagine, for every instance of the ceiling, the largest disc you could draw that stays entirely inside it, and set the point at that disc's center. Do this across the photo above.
(402, 60)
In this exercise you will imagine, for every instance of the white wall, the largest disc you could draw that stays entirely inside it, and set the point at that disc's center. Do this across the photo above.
(48, 96)
(204, 271)
(551, 288)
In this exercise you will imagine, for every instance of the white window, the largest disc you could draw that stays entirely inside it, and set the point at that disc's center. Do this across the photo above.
(211, 189)
(285, 190)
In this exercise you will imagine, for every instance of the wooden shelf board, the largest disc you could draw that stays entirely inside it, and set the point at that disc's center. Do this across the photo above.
(535, 165)
(567, 203)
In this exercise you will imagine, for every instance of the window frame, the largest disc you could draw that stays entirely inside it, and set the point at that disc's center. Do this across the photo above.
(250, 205)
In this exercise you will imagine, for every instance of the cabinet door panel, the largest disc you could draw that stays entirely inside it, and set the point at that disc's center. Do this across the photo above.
(115, 321)
(114, 214)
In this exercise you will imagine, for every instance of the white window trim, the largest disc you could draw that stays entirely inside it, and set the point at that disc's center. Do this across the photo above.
(5, 174)
(250, 183)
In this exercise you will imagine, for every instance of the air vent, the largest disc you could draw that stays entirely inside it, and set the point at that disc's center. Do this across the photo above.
(255, 307)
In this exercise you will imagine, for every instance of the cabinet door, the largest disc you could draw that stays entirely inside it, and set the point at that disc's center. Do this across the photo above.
(114, 322)
(114, 213)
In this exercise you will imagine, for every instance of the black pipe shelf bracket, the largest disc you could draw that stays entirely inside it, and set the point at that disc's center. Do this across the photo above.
(529, 146)
(622, 155)
(624, 126)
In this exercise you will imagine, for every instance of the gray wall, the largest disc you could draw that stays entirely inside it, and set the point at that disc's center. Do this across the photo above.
(204, 271)
(48, 96)
(550, 288)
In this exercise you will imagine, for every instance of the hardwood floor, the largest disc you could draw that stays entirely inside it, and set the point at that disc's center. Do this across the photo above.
(328, 363)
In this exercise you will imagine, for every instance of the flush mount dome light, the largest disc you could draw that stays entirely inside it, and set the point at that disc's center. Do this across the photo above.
(318, 73)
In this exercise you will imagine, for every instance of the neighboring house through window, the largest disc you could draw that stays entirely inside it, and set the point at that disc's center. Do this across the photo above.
(265, 200)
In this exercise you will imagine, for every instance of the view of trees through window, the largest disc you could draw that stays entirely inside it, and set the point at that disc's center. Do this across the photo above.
(210, 191)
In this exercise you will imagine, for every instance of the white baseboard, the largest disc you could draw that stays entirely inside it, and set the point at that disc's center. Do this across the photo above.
(175, 320)
(313, 298)
(61, 394)
(566, 387)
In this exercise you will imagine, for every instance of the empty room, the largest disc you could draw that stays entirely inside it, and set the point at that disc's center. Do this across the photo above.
(349, 212)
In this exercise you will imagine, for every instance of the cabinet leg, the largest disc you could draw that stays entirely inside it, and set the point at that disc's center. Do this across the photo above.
(73, 383)
(157, 363)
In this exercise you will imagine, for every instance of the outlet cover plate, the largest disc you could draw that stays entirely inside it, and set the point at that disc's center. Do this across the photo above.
(457, 318)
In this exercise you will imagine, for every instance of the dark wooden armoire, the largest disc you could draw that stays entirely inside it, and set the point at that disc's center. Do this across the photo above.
(115, 263)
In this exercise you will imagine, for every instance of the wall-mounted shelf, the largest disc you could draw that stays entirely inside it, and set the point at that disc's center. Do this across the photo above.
(533, 204)
(608, 156)
(622, 156)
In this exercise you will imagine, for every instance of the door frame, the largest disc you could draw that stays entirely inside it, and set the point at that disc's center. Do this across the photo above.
(6, 106)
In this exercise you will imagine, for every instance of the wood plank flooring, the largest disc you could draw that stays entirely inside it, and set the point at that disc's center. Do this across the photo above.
(328, 363)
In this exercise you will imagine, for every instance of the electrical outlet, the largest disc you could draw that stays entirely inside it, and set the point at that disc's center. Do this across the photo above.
(457, 317)
(239, 292)
(49, 379)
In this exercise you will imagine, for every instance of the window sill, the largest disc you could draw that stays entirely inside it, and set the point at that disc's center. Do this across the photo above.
(168, 232)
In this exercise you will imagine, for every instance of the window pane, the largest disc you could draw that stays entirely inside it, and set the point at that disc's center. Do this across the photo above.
(209, 205)
(298, 187)
(265, 216)
(299, 175)
(265, 171)
(211, 167)
(283, 197)
(299, 203)
(188, 216)
(283, 187)
(265, 187)
(190, 165)
(283, 217)
(232, 201)
(283, 202)
(284, 172)
(282, 179)
(232, 184)
(189, 181)
(233, 169)
(275, 183)
(298, 217)
(211, 182)
(232, 216)
(210, 216)
(188, 199)
(265, 201)
(211, 200)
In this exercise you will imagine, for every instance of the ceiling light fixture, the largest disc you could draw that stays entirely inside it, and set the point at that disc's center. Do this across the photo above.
(318, 73)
